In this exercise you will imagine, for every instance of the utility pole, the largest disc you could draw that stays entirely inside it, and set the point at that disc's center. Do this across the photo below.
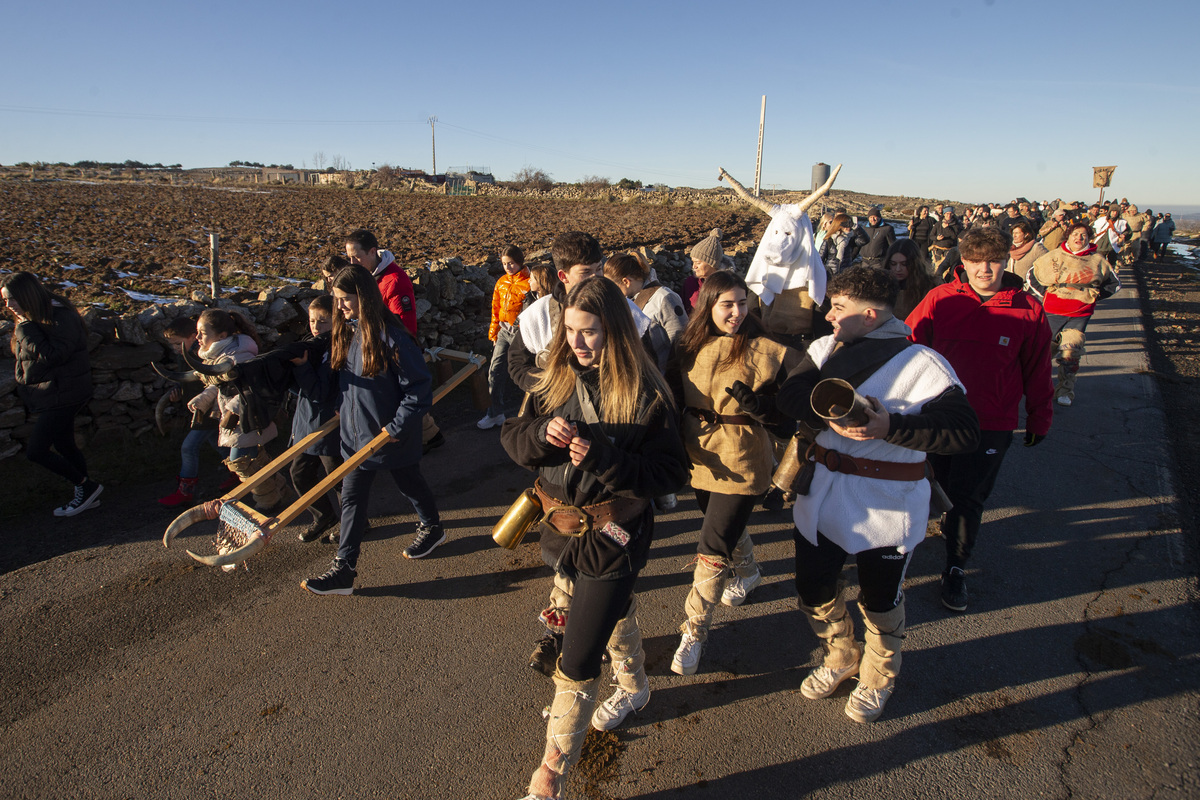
(433, 141)
(762, 120)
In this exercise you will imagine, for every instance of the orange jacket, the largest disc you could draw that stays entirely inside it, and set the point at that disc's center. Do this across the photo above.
(506, 300)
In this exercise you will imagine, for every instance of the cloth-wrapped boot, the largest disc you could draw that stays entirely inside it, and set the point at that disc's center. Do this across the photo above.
(883, 635)
(629, 672)
(566, 728)
(1068, 352)
(833, 625)
(269, 493)
(708, 582)
(745, 573)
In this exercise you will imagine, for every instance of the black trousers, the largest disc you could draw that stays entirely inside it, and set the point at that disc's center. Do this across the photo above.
(968, 479)
(596, 607)
(52, 444)
(880, 573)
(309, 470)
(725, 518)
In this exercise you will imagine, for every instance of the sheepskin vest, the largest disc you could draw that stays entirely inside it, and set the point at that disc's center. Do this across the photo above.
(729, 459)
(858, 513)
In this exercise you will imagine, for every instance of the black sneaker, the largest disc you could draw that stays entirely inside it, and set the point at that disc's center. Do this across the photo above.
(954, 589)
(316, 529)
(428, 539)
(338, 580)
(87, 495)
(544, 658)
(437, 441)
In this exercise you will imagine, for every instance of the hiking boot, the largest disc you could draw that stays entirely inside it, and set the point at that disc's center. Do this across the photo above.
(687, 655)
(437, 441)
(544, 657)
(736, 589)
(87, 495)
(183, 495)
(823, 681)
(428, 538)
(488, 422)
(315, 529)
(954, 589)
(339, 579)
(613, 711)
(865, 705)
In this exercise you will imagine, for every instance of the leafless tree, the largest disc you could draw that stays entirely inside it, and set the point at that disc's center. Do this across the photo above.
(533, 178)
(319, 159)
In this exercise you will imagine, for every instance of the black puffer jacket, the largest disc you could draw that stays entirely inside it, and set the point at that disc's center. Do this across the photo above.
(642, 460)
(880, 238)
(53, 370)
(921, 231)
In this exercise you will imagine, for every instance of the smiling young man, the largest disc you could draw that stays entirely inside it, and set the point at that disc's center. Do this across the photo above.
(868, 496)
(996, 337)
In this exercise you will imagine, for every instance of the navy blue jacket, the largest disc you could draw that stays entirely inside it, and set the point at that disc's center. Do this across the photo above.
(397, 398)
(317, 397)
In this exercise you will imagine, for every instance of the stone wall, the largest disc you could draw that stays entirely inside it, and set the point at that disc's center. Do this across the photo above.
(453, 311)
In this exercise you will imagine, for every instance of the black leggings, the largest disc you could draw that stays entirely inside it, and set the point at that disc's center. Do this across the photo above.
(725, 518)
(596, 608)
(309, 470)
(55, 430)
(880, 573)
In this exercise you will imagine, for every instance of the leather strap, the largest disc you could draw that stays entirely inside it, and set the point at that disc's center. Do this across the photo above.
(575, 521)
(713, 418)
(834, 461)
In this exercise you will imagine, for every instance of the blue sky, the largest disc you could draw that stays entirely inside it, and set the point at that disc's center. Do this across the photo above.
(968, 99)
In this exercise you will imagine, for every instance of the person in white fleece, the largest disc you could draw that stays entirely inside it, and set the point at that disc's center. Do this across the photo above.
(868, 496)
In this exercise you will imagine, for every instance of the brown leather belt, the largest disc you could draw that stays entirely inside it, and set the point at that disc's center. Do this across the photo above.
(713, 418)
(834, 461)
(571, 520)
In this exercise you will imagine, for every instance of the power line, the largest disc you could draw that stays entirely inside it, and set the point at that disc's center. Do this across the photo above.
(67, 112)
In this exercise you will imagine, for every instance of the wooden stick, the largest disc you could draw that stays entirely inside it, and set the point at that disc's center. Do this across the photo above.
(282, 460)
(458, 377)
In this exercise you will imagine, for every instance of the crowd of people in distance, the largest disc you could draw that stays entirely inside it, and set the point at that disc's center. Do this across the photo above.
(618, 392)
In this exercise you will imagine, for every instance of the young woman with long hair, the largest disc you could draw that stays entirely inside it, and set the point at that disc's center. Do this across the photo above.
(54, 381)
(384, 385)
(907, 262)
(599, 429)
(726, 374)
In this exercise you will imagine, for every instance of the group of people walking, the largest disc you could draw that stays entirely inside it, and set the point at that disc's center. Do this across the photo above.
(629, 392)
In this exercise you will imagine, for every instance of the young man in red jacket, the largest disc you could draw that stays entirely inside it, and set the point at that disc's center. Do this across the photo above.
(996, 337)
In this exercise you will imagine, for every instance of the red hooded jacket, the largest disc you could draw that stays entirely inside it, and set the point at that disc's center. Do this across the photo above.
(1000, 349)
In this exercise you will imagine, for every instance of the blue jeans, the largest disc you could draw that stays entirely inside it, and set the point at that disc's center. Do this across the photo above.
(356, 495)
(189, 452)
(499, 382)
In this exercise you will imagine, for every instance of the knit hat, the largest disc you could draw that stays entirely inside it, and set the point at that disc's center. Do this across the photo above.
(709, 250)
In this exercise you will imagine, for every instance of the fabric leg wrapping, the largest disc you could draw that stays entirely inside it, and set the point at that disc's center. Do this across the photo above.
(570, 718)
(742, 563)
(625, 649)
(269, 492)
(708, 582)
(834, 626)
(1068, 352)
(883, 636)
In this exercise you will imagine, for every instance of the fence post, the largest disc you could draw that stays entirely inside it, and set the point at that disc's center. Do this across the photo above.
(214, 271)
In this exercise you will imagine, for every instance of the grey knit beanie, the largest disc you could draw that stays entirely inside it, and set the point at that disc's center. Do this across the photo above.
(709, 250)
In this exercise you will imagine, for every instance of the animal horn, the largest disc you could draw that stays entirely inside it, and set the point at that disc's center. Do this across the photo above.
(184, 521)
(819, 193)
(160, 412)
(172, 375)
(758, 202)
(212, 370)
(233, 556)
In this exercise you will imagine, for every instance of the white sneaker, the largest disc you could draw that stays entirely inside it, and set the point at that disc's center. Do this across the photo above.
(687, 655)
(1063, 400)
(736, 589)
(490, 421)
(865, 705)
(613, 711)
(823, 681)
(87, 495)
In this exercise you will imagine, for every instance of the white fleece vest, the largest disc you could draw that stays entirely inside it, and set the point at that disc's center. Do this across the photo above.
(858, 513)
(537, 332)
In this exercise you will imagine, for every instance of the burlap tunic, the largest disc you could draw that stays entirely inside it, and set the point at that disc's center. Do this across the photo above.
(726, 458)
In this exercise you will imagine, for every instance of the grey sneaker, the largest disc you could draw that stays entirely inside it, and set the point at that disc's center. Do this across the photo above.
(613, 711)
(823, 681)
(865, 705)
(687, 655)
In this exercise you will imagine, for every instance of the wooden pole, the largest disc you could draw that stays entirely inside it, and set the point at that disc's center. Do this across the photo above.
(214, 271)
(762, 121)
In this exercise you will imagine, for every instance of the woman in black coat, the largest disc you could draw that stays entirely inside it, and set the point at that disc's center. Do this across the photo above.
(54, 380)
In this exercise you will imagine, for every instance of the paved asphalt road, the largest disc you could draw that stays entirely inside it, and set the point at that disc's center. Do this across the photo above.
(128, 671)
